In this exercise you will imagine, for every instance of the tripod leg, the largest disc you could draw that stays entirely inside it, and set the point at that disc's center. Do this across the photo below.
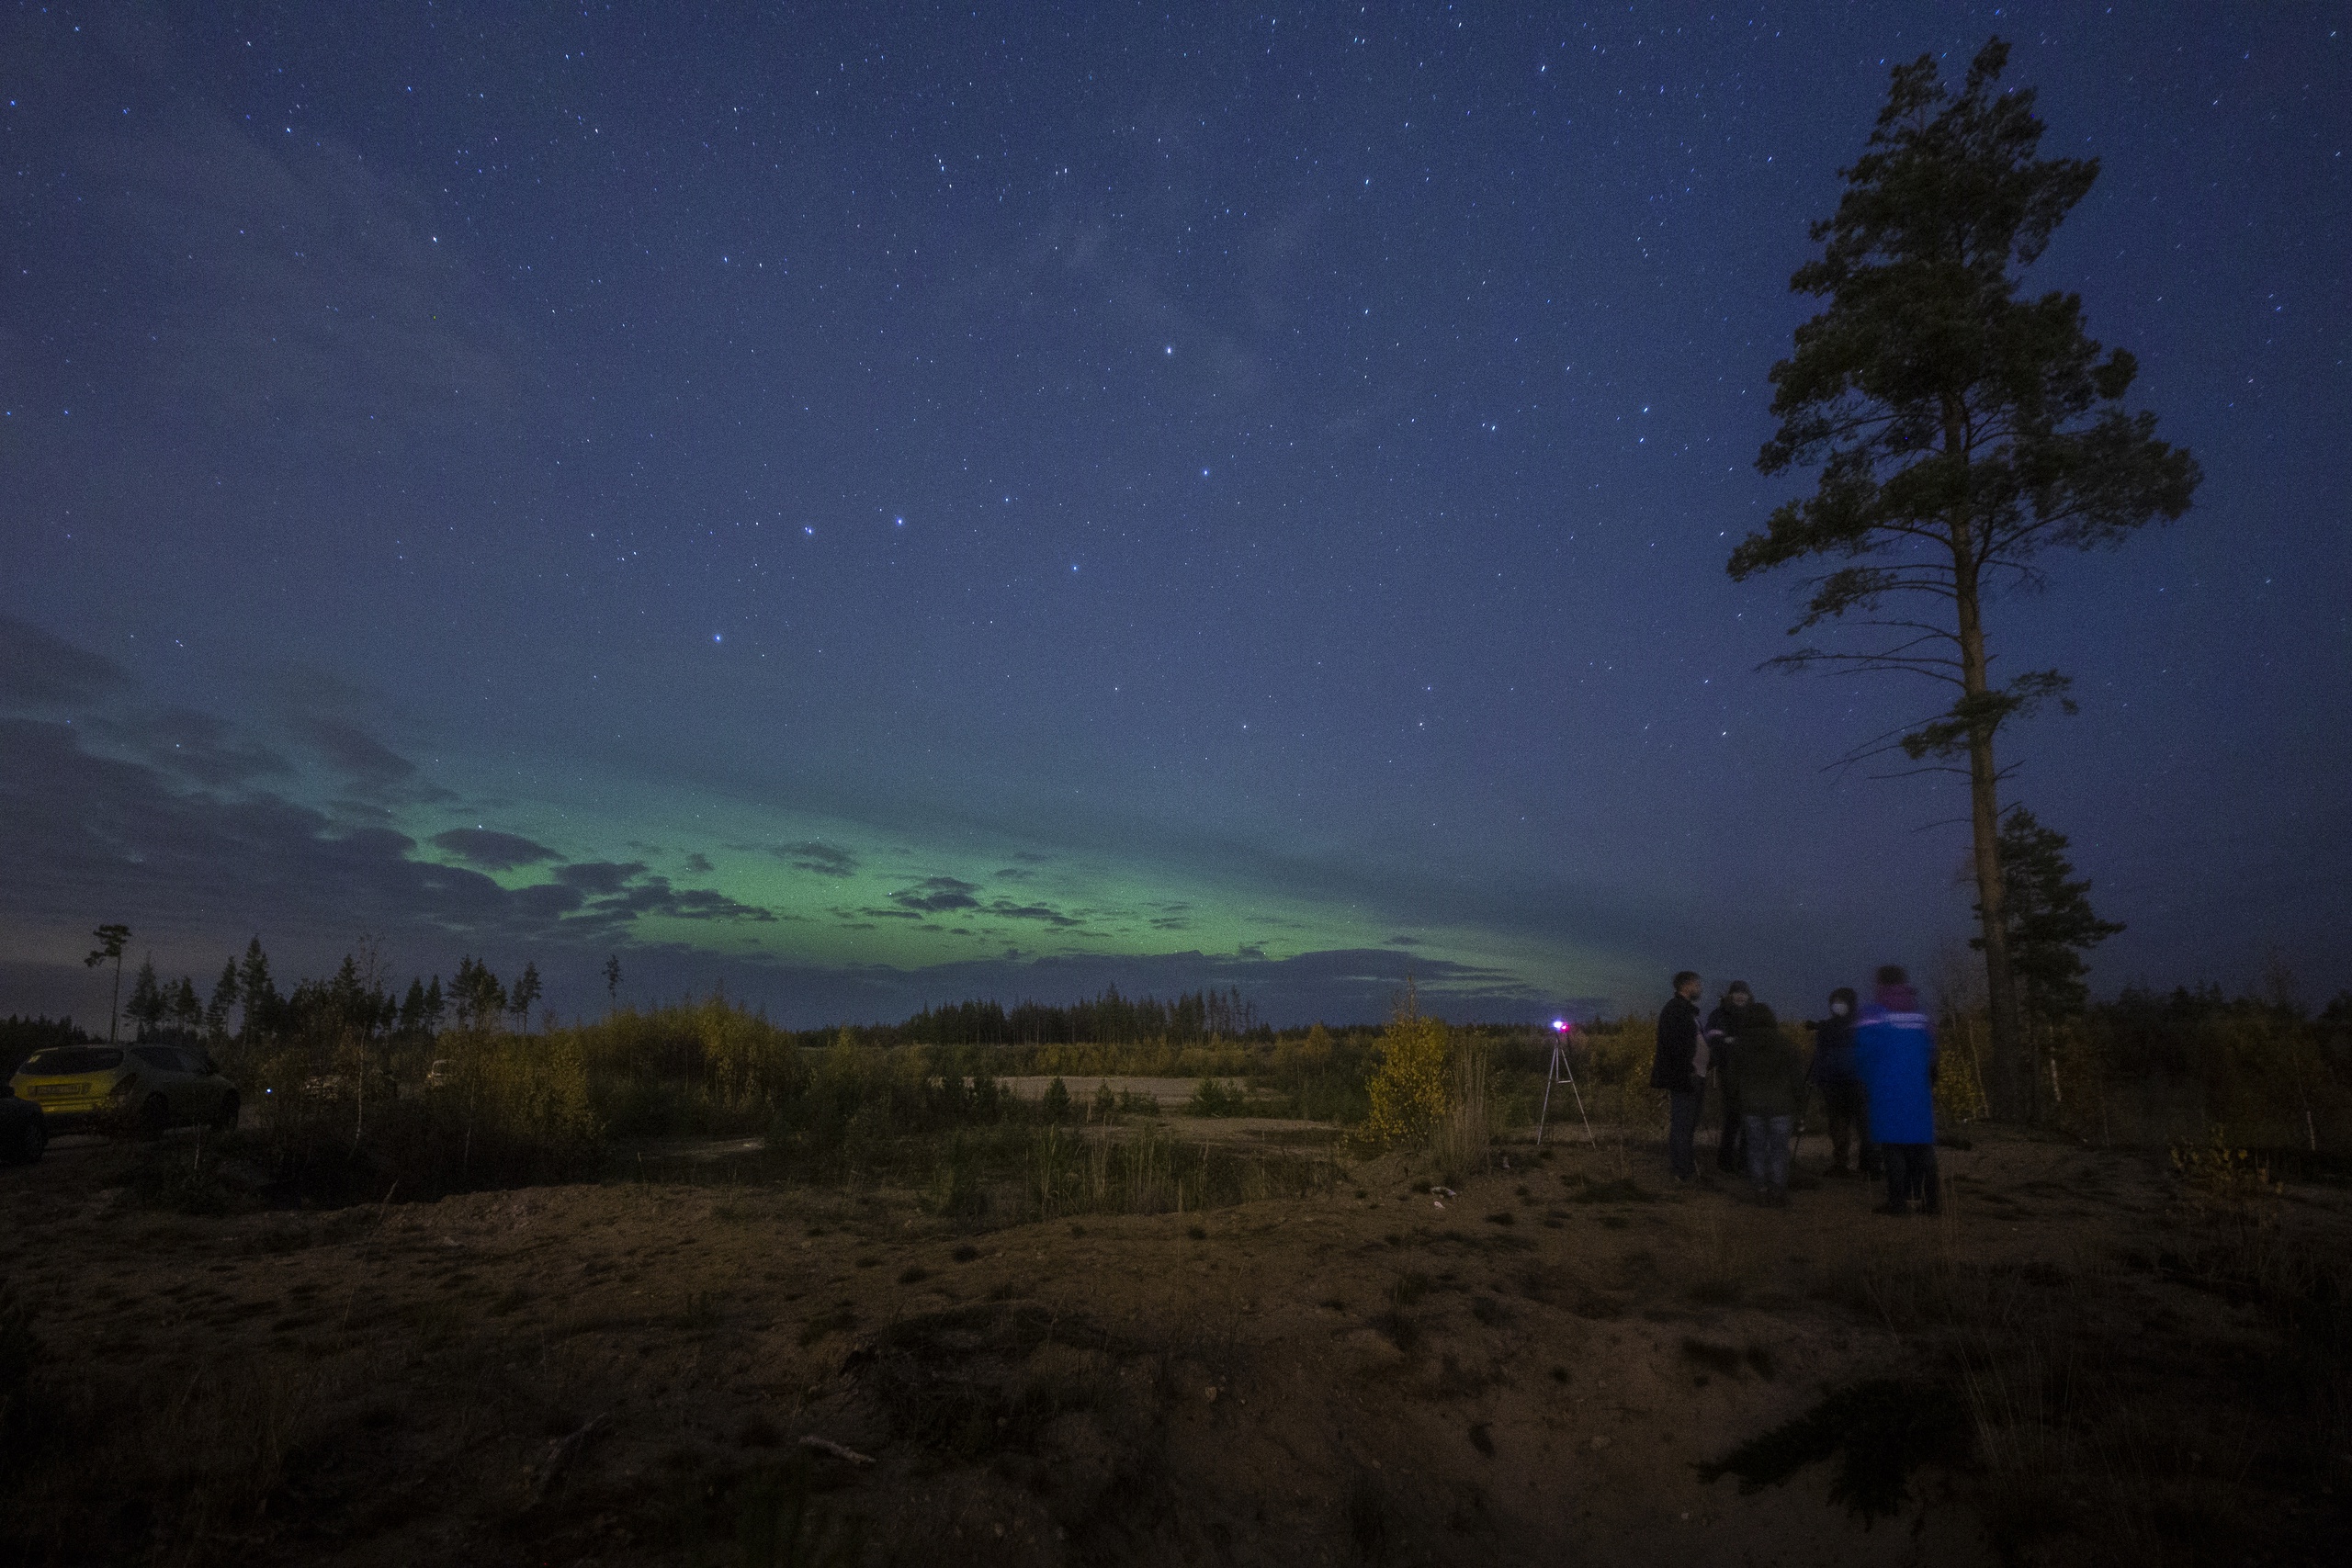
(1588, 1136)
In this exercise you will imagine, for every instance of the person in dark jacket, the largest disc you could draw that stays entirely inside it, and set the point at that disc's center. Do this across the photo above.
(1681, 1069)
(1839, 1083)
(1723, 1036)
(1896, 1053)
(1768, 1075)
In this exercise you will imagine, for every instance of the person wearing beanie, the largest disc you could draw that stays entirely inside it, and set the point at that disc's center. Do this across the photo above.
(1723, 1043)
(1833, 1073)
(1766, 1075)
(1896, 1053)
(1681, 1069)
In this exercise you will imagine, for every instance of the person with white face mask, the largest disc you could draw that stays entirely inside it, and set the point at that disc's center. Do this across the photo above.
(1834, 1074)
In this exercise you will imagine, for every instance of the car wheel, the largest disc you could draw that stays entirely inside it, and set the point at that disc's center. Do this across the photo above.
(154, 1115)
(226, 1120)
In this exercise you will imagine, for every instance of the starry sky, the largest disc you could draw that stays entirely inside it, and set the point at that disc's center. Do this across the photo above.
(870, 505)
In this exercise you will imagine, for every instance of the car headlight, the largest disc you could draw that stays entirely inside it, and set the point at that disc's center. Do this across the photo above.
(123, 1086)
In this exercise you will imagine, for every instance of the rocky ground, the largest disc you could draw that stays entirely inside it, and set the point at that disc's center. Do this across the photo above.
(2070, 1363)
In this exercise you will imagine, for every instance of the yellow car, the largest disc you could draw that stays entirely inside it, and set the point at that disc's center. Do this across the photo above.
(142, 1087)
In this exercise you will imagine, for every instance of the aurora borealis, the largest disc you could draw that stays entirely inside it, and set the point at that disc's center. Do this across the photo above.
(876, 507)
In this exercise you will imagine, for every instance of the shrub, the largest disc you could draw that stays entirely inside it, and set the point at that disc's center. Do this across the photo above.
(1213, 1098)
(508, 1109)
(1408, 1094)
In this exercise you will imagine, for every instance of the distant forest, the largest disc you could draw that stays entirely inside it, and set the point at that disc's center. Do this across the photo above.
(1108, 1020)
(246, 1007)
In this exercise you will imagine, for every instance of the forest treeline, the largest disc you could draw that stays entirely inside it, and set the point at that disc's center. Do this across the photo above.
(1109, 1019)
(357, 1020)
(446, 1084)
(246, 1007)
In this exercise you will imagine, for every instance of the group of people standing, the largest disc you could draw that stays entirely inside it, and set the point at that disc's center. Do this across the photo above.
(1874, 1067)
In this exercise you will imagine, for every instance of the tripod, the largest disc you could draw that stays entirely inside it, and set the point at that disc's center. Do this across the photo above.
(1562, 1072)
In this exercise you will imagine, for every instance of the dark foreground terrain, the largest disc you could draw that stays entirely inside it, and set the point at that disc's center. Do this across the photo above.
(2086, 1357)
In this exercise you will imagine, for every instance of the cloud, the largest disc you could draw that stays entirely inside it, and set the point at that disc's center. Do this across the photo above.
(331, 717)
(624, 892)
(490, 849)
(90, 831)
(825, 860)
(38, 669)
(699, 864)
(655, 895)
(708, 903)
(348, 747)
(599, 875)
(164, 819)
(198, 748)
(96, 838)
(934, 894)
(1007, 909)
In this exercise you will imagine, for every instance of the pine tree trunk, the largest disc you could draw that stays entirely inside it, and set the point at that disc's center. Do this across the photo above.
(2011, 1084)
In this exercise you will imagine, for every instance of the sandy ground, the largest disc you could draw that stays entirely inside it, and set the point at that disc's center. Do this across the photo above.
(1531, 1370)
(1171, 1094)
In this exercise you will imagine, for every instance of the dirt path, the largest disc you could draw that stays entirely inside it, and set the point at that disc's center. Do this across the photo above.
(1534, 1370)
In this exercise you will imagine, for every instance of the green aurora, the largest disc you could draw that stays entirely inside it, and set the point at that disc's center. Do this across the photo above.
(778, 883)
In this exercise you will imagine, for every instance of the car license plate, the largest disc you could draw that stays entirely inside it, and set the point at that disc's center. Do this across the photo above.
(68, 1090)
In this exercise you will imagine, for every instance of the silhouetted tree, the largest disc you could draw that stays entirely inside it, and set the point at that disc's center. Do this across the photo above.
(525, 992)
(110, 944)
(476, 993)
(613, 977)
(147, 1004)
(187, 1012)
(411, 1019)
(224, 998)
(2050, 923)
(1960, 431)
(258, 995)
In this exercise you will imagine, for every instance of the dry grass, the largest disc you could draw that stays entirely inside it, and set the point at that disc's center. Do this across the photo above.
(1462, 1143)
(624, 1373)
(191, 1460)
(2099, 1437)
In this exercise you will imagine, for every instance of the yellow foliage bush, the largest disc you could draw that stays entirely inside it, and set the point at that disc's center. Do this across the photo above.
(2218, 1174)
(1409, 1093)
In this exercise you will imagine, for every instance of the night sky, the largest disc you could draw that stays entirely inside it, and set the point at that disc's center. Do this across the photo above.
(876, 506)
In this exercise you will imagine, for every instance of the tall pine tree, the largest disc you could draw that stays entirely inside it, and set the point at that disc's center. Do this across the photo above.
(1960, 431)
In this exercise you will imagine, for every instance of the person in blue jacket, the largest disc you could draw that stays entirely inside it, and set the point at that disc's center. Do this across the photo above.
(1896, 1053)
